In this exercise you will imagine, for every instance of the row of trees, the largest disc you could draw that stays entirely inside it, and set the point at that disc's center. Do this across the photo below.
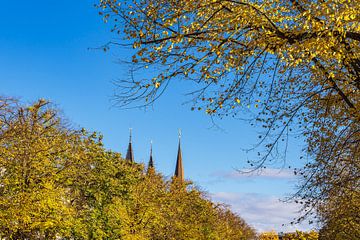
(60, 183)
(293, 66)
(298, 235)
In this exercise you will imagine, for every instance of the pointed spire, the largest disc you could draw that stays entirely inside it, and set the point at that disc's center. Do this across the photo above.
(151, 161)
(179, 170)
(130, 152)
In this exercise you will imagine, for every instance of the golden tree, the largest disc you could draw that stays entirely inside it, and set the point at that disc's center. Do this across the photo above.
(100, 187)
(33, 146)
(340, 215)
(174, 209)
(59, 183)
(269, 236)
(298, 235)
(294, 65)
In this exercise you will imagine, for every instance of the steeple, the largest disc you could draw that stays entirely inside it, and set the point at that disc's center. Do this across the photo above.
(179, 170)
(130, 153)
(151, 161)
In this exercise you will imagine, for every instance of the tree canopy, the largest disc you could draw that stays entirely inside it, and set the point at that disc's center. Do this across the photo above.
(61, 183)
(293, 65)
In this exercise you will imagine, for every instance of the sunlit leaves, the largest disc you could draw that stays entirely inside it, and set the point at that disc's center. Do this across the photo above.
(61, 183)
(33, 150)
(287, 64)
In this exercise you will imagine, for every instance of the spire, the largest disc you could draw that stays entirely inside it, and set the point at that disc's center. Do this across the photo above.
(130, 153)
(179, 170)
(151, 161)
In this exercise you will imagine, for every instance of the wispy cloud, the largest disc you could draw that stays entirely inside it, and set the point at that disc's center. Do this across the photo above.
(263, 212)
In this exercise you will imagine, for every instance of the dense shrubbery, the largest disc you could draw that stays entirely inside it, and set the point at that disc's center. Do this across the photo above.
(58, 183)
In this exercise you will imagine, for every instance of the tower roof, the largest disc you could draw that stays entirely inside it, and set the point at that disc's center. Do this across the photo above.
(151, 161)
(130, 152)
(179, 169)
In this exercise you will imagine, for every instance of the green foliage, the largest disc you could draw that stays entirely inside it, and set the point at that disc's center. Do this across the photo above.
(58, 183)
(298, 235)
(269, 236)
(341, 217)
(293, 66)
(33, 150)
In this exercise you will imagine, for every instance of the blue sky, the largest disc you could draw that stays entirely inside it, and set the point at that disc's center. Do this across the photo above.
(47, 51)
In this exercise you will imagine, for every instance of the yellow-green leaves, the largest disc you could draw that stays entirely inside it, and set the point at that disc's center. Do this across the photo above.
(300, 59)
(33, 147)
(60, 183)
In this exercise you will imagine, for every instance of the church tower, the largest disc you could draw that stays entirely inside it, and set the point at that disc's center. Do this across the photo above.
(130, 152)
(179, 169)
(151, 161)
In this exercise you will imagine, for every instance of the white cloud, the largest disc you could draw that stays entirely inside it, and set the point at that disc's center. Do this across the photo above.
(263, 212)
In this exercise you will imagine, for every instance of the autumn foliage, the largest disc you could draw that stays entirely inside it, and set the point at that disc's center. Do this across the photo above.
(269, 236)
(60, 183)
(298, 235)
(293, 66)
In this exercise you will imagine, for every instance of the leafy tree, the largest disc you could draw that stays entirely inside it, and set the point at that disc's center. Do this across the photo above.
(100, 184)
(145, 207)
(294, 65)
(333, 188)
(298, 235)
(340, 215)
(58, 183)
(176, 210)
(269, 236)
(231, 226)
(33, 146)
